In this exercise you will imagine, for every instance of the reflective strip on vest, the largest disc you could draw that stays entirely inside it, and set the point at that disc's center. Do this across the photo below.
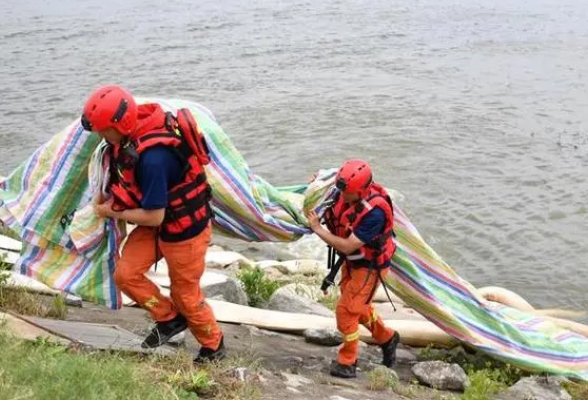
(354, 257)
(367, 205)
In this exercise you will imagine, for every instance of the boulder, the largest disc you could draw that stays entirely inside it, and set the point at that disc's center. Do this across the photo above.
(324, 337)
(286, 301)
(222, 259)
(441, 375)
(537, 388)
(215, 284)
(310, 292)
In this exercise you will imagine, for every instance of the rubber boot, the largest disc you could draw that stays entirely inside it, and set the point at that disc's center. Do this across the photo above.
(389, 350)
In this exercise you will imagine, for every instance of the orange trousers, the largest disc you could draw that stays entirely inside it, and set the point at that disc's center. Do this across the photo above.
(186, 265)
(355, 307)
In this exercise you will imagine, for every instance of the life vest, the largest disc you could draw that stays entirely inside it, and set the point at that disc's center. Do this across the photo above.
(342, 218)
(188, 201)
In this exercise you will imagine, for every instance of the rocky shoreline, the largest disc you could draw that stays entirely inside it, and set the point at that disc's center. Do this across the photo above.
(302, 360)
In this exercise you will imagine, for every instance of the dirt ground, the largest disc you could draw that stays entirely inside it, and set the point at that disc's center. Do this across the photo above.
(292, 369)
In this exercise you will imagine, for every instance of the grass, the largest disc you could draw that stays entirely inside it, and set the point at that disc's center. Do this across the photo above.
(214, 380)
(484, 384)
(487, 376)
(472, 361)
(259, 289)
(330, 300)
(4, 266)
(411, 391)
(578, 390)
(43, 370)
(382, 378)
(24, 302)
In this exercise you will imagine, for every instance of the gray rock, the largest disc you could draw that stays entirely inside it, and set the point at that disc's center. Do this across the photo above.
(219, 297)
(338, 398)
(441, 375)
(255, 331)
(295, 381)
(73, 300)
(311, 292)
(284, 300)
(239, 373)
(295, 360)
(230, 289)
(537, 388)
(222, 259)
(324, 337)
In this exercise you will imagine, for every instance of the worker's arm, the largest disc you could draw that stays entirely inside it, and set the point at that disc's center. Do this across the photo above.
(138, 216)
(343, 245)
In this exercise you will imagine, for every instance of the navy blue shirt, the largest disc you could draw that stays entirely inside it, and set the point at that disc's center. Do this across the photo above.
(371, 225)
(157, 171)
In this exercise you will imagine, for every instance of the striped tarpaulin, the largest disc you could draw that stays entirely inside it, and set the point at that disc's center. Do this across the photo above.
(47, 201)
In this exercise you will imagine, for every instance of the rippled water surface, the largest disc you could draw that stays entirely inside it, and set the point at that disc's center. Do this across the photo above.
(476, 111)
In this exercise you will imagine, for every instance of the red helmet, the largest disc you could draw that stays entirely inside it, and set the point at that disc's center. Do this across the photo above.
(110, 107)
(354, 176)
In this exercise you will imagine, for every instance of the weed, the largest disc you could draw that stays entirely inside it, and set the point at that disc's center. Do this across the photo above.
(259, 289)
(382, 378)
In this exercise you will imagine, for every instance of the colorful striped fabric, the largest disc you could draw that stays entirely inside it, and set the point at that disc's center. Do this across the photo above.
(427, 284)
(47, 201)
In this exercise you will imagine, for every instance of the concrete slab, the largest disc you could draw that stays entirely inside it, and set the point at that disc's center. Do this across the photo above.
(97, 336)
(28, 331)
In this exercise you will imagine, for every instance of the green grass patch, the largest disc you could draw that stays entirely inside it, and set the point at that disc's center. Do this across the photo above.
(43, 370)
(258, 287)
(382, 378)
(472, 361)
(484, 384)
(331, 299)
(4, 266)
(578, 390)
(487, 376)
(23, 302)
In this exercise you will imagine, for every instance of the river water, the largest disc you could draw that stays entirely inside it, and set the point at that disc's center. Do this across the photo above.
(476, 111)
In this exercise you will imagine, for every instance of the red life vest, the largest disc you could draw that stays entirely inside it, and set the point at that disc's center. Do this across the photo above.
(342, 218)
(188, 201)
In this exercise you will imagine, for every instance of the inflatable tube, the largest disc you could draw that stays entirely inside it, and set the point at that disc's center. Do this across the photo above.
(506, 297)
(412, 333)
(9, 257)
(9, 244)
(514, 300)
(559, 313)
(576, 327)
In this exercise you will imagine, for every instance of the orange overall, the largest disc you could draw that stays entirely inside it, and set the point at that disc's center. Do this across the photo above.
(186, 265)
(355, 307)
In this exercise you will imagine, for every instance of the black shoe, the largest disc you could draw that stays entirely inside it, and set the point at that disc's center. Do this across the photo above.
(343, 371)
(207, 354)
(164, 331)
(389, 350)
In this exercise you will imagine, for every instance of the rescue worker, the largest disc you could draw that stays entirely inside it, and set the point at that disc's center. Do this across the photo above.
(157, 182)
(360, 229)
